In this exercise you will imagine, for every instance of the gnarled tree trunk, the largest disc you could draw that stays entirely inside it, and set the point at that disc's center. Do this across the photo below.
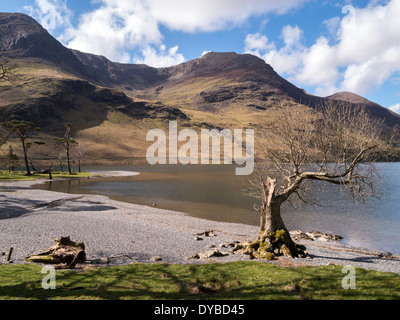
(274, 238)
(270, 219)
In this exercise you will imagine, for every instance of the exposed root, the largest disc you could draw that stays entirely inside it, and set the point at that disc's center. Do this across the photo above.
(272, 245)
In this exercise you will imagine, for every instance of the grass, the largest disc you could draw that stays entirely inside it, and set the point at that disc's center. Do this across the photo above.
(233, 281)
(21, 175)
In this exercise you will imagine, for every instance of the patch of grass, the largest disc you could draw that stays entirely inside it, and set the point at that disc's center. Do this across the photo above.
(236, 280)
(21, 175)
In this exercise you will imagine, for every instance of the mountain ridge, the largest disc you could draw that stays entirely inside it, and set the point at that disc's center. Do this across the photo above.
(22, 36)
(220, 89)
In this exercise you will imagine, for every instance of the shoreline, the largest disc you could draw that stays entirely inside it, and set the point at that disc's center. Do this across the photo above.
(123, 233)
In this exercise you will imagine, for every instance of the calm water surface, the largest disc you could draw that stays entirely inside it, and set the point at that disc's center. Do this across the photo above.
(215, 193)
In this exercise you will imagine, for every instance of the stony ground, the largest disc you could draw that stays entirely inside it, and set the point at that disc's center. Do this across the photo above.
(120, 233)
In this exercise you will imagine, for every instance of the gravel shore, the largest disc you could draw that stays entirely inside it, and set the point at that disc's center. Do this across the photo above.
(31, 219)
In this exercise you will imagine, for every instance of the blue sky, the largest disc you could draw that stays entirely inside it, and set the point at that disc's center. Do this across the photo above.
(321, 46)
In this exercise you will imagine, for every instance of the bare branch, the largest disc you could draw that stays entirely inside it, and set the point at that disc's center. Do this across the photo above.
(339, 145)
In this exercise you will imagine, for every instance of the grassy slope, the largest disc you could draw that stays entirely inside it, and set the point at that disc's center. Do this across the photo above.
(238, 280)
(106, 133)
(99, 130)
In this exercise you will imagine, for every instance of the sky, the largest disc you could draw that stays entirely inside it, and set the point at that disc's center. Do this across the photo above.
(321, 46)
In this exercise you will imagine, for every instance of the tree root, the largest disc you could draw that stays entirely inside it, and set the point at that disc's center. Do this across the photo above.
(274, 244)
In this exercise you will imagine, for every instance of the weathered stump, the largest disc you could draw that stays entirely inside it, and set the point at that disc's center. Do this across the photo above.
(65, 254)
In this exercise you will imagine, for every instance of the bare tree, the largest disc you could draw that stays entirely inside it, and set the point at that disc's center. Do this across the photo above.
(338, 145)
(80, 154)
(7, 70)
(60, 160)
(67, 142)
(4, 134)
(12, 159)
(22, 130)
(29, 145)
(6, 74)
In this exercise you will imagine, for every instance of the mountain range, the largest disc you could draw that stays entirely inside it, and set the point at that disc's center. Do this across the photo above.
(112, 105)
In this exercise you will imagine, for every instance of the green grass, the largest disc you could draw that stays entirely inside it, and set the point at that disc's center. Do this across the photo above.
(21, 175)
(236, 280)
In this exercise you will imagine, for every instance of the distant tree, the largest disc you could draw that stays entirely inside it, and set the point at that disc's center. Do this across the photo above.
(22, 130)
(60, 160)
(7, 70)
(4, 134)
(80, 154)
(338, 145)
(67, 142)
(30, 145)
(12, 159)
(6, 74)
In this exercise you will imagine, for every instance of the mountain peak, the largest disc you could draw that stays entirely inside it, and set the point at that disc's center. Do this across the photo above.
(16, 29)
(214, 63)
(21, 36)
(232, 60)
(16, 18)
(349, 97)
(213, 54)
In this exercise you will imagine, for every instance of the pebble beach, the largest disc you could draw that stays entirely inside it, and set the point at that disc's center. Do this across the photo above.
(117, 233)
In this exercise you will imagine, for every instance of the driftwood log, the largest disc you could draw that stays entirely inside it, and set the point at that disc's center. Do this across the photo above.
(65, 254)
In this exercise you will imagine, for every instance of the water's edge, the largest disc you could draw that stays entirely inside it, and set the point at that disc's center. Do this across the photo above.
(213, 195)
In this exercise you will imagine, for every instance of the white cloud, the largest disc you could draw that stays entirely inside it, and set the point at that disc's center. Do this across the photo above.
(256, 43)
(333, 26)
(162, 58)
(318, 65)
(283, 60)
(51, 14)
(211, 15)
(395, 108)
(291, 35)
(370, 48)
(114, 29)
(362, 51)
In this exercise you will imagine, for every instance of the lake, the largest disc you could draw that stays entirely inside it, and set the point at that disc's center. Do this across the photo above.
(214, 192)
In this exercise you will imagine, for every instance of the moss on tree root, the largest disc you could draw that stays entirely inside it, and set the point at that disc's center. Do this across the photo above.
(275, 244)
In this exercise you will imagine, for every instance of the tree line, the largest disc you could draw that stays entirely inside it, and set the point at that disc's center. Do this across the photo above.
(25, 131)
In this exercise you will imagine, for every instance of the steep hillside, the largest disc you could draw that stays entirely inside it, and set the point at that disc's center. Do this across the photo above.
(113, 105)
(22, 37)
(390, 118)
(53, 85)
(226, 83)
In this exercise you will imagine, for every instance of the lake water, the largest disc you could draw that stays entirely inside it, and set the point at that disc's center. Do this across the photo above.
(214, 192)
